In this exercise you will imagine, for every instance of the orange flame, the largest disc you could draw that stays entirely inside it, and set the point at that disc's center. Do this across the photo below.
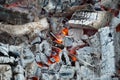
(73, 57)
(58, 39)
(65, 31)
(55, 57)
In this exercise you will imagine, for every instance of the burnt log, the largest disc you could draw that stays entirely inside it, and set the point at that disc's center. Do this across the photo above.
(28, 28)
(69, 12)
(14, 17)
(90, 19)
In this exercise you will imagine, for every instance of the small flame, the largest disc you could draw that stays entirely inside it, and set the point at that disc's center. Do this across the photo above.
(65, 31)
(57, 58)
(59, 41)
(58, 37)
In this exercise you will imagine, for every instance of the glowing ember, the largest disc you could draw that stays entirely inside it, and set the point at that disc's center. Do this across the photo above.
(40, 64)
(59, 41)
(13, 5)
(65, 31)
(56, 59)
(34, 78)
(58, 37)
(73, 57)
(55, 56)
(118, 28)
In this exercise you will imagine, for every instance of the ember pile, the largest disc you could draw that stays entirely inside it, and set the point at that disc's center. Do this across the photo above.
(59, 39)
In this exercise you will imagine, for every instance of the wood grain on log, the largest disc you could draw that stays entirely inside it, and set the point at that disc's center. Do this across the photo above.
(71, 10)
(90, 19)
(14, 17)
(26, 28)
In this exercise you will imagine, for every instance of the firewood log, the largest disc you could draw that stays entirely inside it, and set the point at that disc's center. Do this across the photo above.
(27, 28)
(15, 17)
(71, 10)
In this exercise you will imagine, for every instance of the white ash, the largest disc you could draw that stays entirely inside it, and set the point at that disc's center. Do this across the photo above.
(4, 60)
(66, 72)
(65, 54)
(107, 51)
(76, 34)
(68, 41)
(93, 19)
(19, 73)
(5, 72)
(45, 48)
(110, 3)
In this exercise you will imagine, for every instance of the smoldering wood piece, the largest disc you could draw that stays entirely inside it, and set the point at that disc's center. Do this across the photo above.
(68, 13)
(19, 30)
(7, 38)
(90, 19)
